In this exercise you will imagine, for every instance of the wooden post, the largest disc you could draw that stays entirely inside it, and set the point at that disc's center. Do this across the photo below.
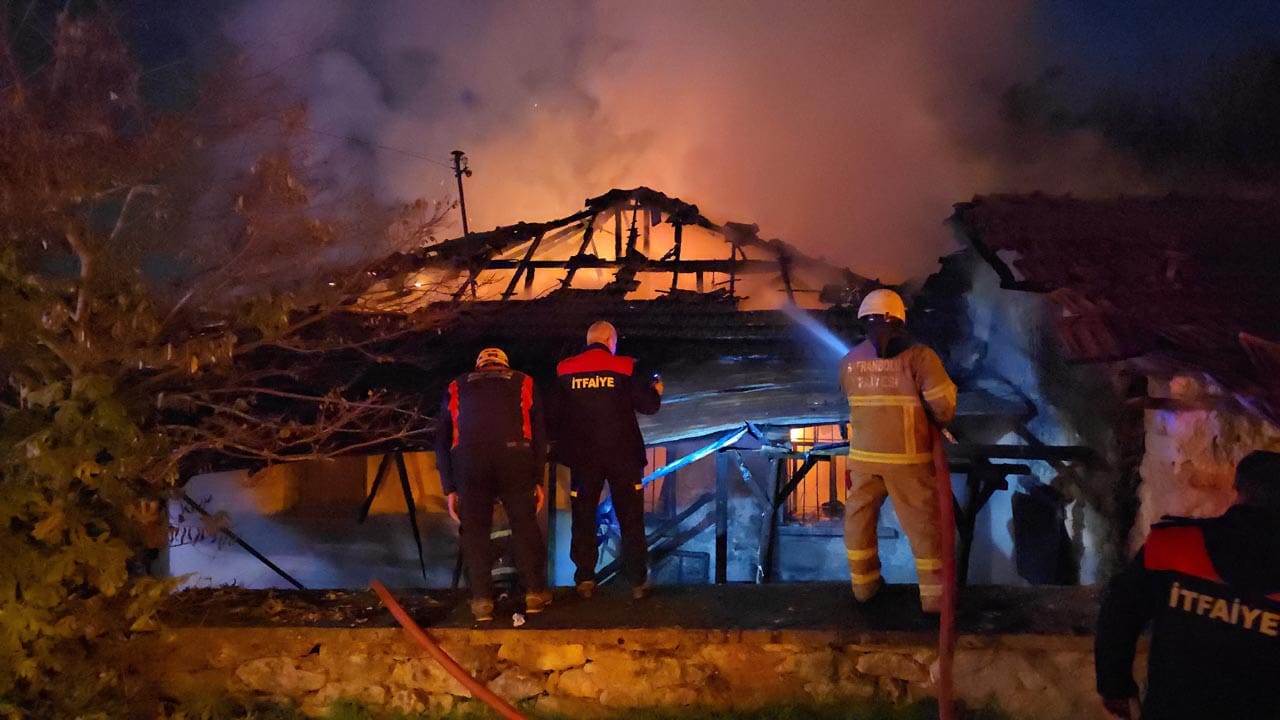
(784, 268)
(648, 221)
(733, 269)
(722, 518)
(552, 469)
(412, 509)
(769, 524)
(617, 234)
(373, 489)
(679, 239)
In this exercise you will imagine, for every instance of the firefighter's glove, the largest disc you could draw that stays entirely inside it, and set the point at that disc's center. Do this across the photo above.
(451, 502)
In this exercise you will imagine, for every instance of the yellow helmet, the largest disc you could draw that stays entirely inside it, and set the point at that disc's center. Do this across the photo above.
(883, 302)
(492, 356)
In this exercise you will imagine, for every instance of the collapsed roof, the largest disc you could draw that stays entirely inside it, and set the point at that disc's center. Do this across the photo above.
(616, 232)
(1174, 284)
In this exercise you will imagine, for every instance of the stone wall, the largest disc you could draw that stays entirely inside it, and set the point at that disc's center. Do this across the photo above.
(1194, 437)
(589, 673)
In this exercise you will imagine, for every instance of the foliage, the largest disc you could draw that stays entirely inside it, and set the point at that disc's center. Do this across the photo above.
(112, 385)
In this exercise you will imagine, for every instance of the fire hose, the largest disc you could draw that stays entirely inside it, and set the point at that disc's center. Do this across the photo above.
(947, 619)
(477, 688)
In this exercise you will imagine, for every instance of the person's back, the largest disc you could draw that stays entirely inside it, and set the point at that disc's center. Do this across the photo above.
(491, 408)
(490, 449)
(1211, 591)
(598, 397)
(595, 433)
(1215, 642)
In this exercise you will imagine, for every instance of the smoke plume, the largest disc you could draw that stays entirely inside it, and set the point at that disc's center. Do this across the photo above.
(845, 128)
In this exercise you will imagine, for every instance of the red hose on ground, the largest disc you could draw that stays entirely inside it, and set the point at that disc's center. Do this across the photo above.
(947, 621)
(477, 688)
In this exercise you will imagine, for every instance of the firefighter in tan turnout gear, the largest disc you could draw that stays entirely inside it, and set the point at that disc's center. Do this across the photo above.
(897, 390)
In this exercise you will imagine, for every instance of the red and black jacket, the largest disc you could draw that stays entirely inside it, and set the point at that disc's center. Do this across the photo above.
(1210, 589)
(597, 395)
(489, 410)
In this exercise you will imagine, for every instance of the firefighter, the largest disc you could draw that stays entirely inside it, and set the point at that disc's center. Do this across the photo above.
(1210, 589)
(598, 394)
(896, 389)
(491, 448)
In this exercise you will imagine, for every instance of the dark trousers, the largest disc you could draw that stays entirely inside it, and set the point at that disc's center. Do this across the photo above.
(628, 502)
(484, 478)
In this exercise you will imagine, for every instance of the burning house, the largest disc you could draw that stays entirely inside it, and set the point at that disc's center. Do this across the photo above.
(1112, 359)
(747, 472)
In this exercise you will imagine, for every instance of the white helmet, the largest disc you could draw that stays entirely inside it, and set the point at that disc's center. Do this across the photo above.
(883, 302)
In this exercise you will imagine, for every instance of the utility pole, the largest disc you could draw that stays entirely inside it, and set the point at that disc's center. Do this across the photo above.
(460, 168)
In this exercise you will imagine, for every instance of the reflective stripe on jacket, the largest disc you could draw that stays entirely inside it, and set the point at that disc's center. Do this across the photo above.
(597, 395)
(485, 411)
(892, 401)
(1215, 635)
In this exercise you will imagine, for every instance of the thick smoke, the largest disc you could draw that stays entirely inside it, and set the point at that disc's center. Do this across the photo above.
(846, 128)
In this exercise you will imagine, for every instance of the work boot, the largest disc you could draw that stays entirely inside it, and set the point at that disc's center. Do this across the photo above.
(482, 609)
(535, 602)
(585, 588)
(641, 591)
(864, 593)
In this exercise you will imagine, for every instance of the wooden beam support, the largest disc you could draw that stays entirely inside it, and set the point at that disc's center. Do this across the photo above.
(679, 241)
(617, 234)
(587, 233)
(585, 261)
(522, 267)
(769, 525)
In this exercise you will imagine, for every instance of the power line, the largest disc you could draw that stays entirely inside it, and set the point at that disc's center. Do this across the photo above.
(380, 146)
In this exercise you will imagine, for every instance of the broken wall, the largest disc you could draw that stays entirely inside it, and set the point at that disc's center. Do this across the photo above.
(1004, 342)
(1195, 435)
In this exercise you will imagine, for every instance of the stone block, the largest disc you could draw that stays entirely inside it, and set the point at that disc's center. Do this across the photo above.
(427, 675)
(181, 684)
(543, 656)
(656, 697)
(407, 701)
(225, 655)
(516, 684)
(372, 695)
(1020, 687)
(570, 707)
(856, 686)
(441, 703)
(809, 664)
(894, 691)
(576, 682)
(279, 675)
(479, 660)
(893, 665)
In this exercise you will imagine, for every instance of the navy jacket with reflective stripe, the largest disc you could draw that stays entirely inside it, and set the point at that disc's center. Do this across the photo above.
(1208, 589)
(485, 411)
(597, 395)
